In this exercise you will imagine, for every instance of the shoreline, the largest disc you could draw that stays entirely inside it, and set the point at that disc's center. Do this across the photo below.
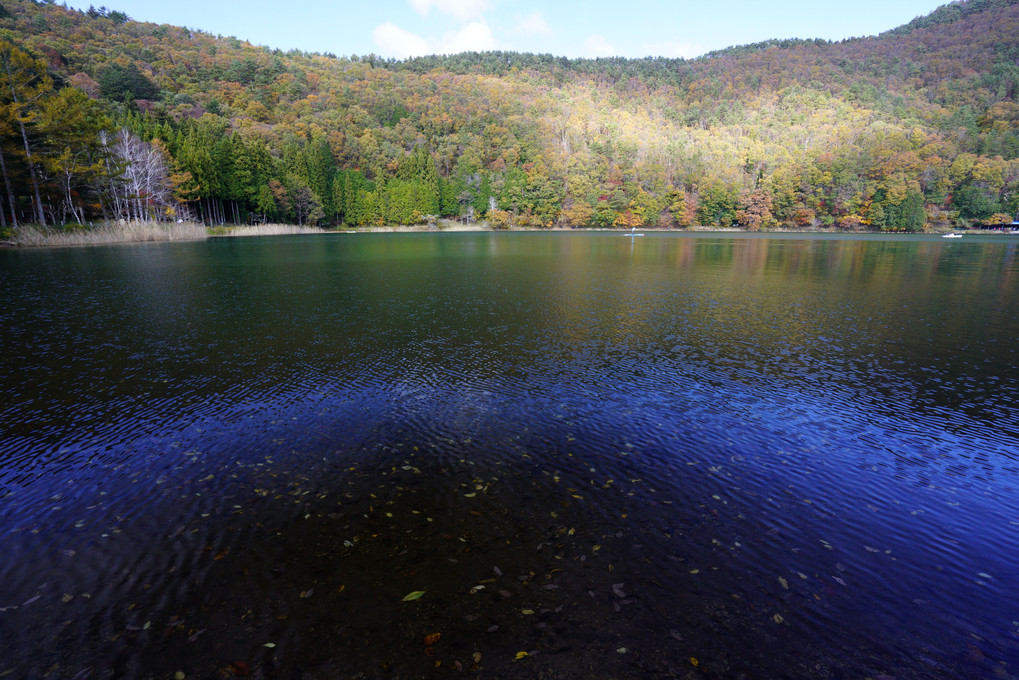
(144, 232)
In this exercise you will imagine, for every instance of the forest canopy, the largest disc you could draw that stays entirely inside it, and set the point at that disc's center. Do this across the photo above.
(105, 117)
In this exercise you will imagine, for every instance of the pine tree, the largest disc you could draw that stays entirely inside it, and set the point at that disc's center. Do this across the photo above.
(24, 87)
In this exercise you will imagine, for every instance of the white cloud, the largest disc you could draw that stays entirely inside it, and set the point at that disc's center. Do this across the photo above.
(394, 41)
(533, 24)
(474, 37)
(597, 46)
(672, 49)
(459, 9)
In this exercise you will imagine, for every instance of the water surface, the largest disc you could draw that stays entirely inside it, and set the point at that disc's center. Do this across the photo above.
(673, 456)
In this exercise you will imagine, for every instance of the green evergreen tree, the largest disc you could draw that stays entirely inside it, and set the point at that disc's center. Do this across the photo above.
(909, 215)
(482, 195)
(321, 166)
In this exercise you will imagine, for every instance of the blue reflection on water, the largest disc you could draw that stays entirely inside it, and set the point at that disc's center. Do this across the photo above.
(809, 438)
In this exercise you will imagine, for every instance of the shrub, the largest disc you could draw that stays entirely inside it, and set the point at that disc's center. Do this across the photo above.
(850, 222)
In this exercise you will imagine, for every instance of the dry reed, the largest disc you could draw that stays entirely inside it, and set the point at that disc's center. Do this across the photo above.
(30, 235)
(265, 230)
(110, 232)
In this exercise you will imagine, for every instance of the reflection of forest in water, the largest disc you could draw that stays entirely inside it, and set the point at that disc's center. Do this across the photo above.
(778, 453)
(785, 304)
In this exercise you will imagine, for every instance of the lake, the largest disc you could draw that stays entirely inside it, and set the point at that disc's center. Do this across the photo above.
(511, 455)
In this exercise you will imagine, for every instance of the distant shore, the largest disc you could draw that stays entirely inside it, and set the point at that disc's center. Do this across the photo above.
(29, 236)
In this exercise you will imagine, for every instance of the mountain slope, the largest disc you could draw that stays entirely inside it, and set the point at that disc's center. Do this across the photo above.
(917, 126)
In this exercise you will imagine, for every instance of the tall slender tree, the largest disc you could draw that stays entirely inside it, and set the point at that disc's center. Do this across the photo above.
(24, 85)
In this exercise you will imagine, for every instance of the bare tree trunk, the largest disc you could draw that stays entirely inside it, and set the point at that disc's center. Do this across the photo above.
(10, 192)
(32, 175)
(114, 194)
(28, 149)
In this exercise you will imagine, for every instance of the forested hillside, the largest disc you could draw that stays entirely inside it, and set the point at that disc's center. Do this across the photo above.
(106, 117)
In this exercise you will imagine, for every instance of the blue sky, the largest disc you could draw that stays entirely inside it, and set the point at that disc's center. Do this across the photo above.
(595, 28)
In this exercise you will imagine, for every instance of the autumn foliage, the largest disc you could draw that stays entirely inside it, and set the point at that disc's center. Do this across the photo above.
(879, 133)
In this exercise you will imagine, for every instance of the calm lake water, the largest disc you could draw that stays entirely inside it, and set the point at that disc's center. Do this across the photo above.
(676, 456)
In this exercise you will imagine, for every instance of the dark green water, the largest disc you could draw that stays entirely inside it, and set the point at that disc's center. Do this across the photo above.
(672, 456)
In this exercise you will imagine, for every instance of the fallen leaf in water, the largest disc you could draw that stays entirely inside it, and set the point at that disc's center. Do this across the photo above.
(413, 596)
(520, 655)
(526, 612)
(785, 584)
(270, 645)
(430, 640)
(240, 668)
(694, 661)
(305, 594)
(777, 618)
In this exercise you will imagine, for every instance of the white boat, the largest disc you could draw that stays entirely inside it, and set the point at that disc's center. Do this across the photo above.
(952, 236)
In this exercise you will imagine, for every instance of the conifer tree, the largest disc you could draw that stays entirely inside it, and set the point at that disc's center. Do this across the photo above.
(24, 87)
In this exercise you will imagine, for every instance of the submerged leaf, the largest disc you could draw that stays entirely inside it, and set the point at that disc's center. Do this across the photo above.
(413, 596)
(240, 668)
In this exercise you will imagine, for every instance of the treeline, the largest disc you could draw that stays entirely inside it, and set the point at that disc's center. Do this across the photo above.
(65, 158)
(224, 176)
(104, 117)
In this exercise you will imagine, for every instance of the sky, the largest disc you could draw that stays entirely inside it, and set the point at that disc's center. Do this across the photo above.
(571, 28)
